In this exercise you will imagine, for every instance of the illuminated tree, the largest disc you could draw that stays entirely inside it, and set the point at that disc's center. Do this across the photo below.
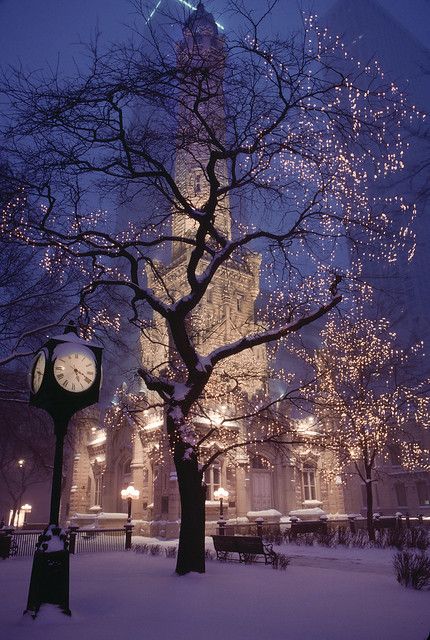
(369, 400)
(226, 153)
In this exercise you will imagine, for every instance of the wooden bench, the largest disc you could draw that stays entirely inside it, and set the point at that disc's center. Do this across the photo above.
(245, 546)
(386, 523)
(310, 526)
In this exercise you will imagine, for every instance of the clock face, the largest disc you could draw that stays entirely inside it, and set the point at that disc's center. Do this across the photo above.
(38, 371)
(76, 370)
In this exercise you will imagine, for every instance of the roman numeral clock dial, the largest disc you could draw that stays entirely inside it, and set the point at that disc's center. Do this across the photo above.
(37, 372)
(75, 371)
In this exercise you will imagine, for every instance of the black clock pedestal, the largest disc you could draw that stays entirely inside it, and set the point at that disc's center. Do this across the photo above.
(49, 583)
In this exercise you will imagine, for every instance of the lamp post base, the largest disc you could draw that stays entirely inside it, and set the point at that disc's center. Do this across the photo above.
(49, 583)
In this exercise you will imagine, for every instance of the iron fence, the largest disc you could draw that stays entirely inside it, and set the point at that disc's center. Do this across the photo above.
(98, 540)
(24, 542)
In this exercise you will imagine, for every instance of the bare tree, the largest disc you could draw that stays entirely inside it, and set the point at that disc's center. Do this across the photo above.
(26, 443)
(191, 138)
(32, 301)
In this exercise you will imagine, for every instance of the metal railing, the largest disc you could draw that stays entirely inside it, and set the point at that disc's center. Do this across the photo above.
(270, 529)
(23, 543)
(97, 540)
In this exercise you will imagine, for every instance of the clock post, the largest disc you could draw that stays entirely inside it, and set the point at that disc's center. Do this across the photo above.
(65, 377)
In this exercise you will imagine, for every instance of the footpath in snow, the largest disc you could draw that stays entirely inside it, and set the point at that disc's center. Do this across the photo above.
(325, 594)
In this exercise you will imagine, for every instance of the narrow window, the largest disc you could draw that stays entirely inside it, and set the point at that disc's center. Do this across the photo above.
(423, 493)
(309, 486)
(212, 480)
(400, 494)
(197, 184)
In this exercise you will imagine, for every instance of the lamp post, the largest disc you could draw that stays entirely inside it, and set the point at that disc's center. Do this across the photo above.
(64, 378)
(130, 494)
(26, 508)
(221, 494)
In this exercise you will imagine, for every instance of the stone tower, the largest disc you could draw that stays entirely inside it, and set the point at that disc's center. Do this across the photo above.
(260, 479)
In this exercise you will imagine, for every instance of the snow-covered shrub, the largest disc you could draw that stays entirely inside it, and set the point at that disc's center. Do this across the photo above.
(281, 561)
(209, 555)
(306, 539)
(171, 552)
(412, 569)
(249, 558)
(327, 539)
(360, 539)
(418, 538)
(392, 538)
(155, 549)
(343, 536)
(141, 548)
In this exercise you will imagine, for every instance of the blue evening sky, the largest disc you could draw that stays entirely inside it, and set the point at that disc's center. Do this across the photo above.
(36, 32)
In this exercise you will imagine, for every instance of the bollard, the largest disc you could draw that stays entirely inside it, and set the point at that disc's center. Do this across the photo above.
(259, 522)
(128, 529)
(420, 519)
(352, 527)
(408, 520)
(5, 542)
(221, 526)
(73, 529)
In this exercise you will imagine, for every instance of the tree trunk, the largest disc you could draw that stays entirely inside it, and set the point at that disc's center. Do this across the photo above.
(14, 512)
(191, 551)
(369, 504)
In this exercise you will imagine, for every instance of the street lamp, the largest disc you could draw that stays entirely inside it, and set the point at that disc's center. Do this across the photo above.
(221, 494)
(130, 494)
(26, 508)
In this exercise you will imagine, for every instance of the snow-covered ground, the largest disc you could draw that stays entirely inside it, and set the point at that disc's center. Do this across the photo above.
(325, 594)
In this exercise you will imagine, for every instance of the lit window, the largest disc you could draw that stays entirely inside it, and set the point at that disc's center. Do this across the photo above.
(212, 480)
(309, 487)
(423, 493)
(98, 489)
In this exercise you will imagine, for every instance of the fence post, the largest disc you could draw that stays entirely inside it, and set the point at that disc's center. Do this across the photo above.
(352, 526)
(420, 519)
(73, 528)
(128, 529)
(221, 526)
(259, 522)
(408, 520)
(6, 541)
(398, 521)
